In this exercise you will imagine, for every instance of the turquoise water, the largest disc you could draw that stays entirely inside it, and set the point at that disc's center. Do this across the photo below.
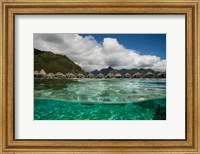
(100, 99)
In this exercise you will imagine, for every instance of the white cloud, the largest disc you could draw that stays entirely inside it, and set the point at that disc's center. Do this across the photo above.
(91, 55)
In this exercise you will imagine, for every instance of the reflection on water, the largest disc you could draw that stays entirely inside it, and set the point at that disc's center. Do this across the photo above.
(99, 99)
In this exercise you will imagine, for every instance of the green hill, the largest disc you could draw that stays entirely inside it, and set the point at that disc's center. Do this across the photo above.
(53, 63)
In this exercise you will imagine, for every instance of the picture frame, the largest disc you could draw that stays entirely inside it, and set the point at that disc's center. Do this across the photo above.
(156, 7)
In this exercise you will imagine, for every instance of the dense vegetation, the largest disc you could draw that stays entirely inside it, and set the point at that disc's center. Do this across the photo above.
(53, 63)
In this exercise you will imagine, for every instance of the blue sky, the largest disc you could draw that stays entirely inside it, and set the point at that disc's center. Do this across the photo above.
(146, 44)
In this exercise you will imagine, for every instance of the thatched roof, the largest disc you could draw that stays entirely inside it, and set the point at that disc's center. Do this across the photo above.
(59, 74)
(127, 75)
(149, 73)
(118, 75)
(100, 75)
(138, 73)
(70, 75)
(162, 73)
(110, 75)
(90, 75)
(36, 72)
(42, 72)
(80, 75)
(50, 75)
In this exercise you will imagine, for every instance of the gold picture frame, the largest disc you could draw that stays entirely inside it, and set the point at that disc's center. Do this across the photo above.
(189, 8)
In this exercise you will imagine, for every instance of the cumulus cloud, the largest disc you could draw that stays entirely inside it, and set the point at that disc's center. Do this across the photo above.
(91, 55)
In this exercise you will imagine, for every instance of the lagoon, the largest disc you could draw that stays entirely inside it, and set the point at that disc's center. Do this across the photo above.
(100, 99)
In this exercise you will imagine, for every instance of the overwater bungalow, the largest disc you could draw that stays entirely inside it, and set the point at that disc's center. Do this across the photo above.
(149, 75)
(70, 75)
(59, 75)
(36, 74)
(75, 75)
(137, 75)
(100, 75)
(80, 75)
(110, 75)
(50, 75)
(90, 75)
(127, 75)
(118, 75)
(42, 74)
(162, 75)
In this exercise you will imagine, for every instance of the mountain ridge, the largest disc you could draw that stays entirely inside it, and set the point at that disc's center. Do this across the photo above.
(123, 71)
(53, 63)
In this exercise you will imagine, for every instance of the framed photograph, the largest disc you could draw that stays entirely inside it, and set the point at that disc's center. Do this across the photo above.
(99, 76)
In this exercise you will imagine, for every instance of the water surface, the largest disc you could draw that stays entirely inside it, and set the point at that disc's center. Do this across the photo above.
(100, 99)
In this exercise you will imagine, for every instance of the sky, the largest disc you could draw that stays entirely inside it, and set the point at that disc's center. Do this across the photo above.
(97, 51)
